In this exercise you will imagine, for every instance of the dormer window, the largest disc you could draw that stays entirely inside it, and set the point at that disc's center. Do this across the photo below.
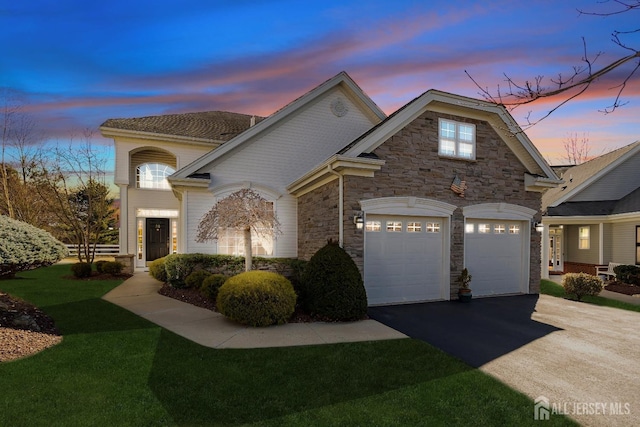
(457, 139)
(153, 176)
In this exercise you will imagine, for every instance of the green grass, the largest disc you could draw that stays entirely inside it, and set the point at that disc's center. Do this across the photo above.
(549, 287)
(116, 369)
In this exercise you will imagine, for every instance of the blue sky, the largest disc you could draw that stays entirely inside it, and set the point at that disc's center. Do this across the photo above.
(76, 63)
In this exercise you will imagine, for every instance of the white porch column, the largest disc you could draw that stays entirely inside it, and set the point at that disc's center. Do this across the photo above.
(601, 243)
(544, 258)
(124, 220)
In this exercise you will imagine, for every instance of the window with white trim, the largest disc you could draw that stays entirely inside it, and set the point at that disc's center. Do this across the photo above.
(414, 227)
(153, 176)
(584, 238)
(394, 226)
(457, 139)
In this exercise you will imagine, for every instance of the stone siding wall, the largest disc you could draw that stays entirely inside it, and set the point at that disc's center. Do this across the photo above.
(414, 168)
(317, 219)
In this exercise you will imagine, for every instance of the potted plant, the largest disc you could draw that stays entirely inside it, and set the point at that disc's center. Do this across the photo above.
(464, 292)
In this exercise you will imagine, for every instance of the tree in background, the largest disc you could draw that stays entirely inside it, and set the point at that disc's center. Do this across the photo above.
(71, 180)
(570, 86)
(244, 211)
(576, 148)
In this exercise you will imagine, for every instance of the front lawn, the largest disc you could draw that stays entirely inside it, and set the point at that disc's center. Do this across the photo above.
(116, 369)
(549, 287)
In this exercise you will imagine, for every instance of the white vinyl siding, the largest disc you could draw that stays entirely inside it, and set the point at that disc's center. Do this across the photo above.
(573, 254)
(623, 237)
(614, 185)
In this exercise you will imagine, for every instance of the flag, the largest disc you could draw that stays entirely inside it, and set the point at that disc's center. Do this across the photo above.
(458, 186)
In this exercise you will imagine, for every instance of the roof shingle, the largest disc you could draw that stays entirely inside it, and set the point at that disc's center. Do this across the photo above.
(217, 126)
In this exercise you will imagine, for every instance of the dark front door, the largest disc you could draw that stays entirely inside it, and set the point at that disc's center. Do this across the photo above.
(157, 238)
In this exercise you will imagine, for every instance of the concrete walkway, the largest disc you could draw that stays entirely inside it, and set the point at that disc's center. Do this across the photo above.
(605, 294)
(139, 294)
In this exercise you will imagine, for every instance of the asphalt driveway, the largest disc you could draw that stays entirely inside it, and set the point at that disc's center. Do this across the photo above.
(584, 359)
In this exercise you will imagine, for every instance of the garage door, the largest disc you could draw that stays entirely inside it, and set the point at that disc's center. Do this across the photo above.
(403, 258)
(494, 256)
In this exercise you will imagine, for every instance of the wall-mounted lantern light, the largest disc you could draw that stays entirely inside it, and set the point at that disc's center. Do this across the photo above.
(358, 220)
(538, 226)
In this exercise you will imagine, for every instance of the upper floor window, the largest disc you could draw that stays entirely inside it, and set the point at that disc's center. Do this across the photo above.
(153, 175)
(457, 139)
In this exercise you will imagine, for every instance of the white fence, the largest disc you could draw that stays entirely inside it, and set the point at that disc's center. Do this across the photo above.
(101, 250)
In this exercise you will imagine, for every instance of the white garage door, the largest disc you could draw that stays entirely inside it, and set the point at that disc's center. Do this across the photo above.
(494, 256)
(403, 258)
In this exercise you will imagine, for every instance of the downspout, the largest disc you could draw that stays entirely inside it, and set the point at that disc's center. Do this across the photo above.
(340, 204)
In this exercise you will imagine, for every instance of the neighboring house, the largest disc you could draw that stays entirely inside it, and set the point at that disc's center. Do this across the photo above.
(444, 182)
(593, 218)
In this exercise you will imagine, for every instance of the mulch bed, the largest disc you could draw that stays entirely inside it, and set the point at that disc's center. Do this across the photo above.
(194, 297)
(622, 288)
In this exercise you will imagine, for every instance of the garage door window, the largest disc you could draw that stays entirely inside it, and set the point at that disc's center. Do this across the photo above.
(394, 226)
(373, 226)
(499, 229)
(469, 228)
(433, 227)
(484, 228)
(414, 227)
(514, 229)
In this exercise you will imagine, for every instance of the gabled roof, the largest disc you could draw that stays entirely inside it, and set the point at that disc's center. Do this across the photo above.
(579, 177)
(342, 79)
(497, 116)
(207, 126)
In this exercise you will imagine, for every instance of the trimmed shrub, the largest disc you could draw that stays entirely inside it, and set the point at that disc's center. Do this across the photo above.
(179, 266)
(81, 269)
(112, 267)
(627, 273)
(211, 285)
(332, 286)
(99, 265)
(195, 279)
(581, 284)
(157, 270)
(25, 247)
(257, 298)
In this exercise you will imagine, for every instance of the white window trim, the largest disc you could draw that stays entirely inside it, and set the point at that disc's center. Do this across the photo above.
(456, 140)
(587, 239)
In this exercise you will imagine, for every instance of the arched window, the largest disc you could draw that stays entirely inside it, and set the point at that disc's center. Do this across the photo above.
(153, 175)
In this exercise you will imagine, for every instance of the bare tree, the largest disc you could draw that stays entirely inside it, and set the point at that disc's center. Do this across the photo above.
(72, 182)
(245, 211)
(576, 148)
(570, 86)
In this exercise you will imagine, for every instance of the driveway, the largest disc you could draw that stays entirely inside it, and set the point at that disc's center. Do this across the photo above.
(584, 359)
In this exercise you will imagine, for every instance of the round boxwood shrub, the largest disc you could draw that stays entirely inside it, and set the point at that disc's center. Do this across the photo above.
(81, 269)
(581, 284)
(195, 279)
(157, 270)
(627, 273)
(211, 285)
(332, 285)
(257, 298)
(99, 265)
(112, 267)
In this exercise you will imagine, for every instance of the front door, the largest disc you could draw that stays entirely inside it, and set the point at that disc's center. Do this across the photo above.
(157, 238)
(555, 253)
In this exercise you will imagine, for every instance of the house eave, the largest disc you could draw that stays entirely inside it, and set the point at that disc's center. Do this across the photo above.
(589, 219)
(539, 183)
(109, 132)
(189, 182)
(330, 169)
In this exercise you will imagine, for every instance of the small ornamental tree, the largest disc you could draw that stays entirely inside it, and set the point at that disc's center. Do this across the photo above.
(25, 247)
(244, 211)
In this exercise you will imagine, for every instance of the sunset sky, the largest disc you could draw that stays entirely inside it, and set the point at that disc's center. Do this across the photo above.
(76, 63)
